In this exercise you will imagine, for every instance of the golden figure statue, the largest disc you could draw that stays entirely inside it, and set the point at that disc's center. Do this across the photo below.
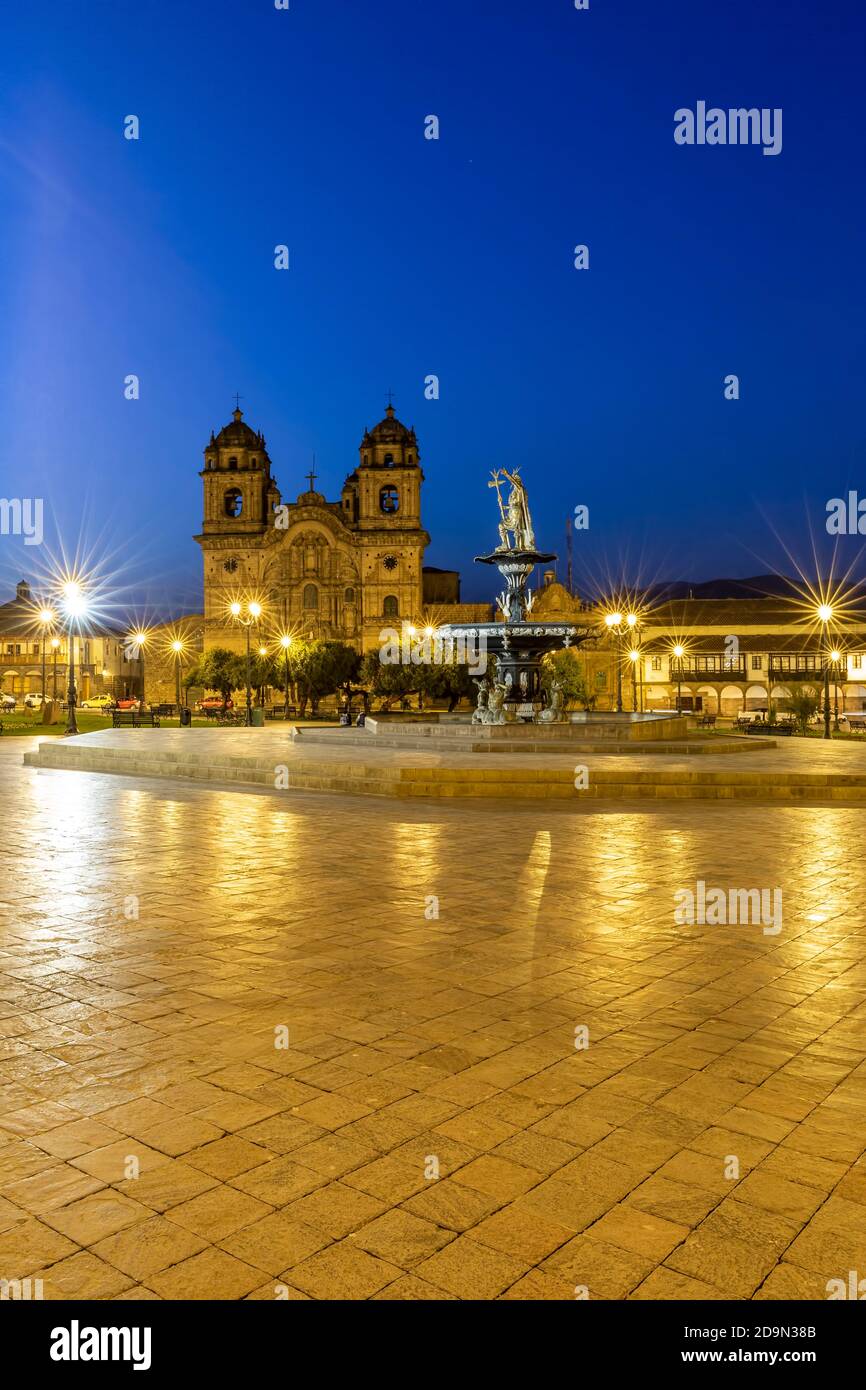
(515, 520)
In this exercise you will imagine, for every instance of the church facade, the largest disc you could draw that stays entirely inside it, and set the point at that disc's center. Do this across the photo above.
(342, 570)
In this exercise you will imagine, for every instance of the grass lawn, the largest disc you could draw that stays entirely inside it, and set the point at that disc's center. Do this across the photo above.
(28, 724)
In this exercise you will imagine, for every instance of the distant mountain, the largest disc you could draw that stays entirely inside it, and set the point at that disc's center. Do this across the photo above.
(761, 586)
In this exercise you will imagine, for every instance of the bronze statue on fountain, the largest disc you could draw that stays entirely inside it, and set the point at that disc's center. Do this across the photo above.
(517, 643)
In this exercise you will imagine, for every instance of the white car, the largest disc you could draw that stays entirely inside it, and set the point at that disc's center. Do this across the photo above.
(33, 700)
(8, 703)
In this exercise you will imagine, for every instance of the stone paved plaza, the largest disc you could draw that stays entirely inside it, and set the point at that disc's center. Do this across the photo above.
(430, 1130)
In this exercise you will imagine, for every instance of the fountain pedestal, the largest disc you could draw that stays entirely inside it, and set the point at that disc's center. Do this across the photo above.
(517, 643)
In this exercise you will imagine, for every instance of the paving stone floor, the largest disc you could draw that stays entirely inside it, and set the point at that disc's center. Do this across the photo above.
(429, 1129)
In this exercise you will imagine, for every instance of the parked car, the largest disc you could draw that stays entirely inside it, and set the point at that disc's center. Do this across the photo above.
(214, 702)
(8, 703)
(128, 702)
(33, 700)
(98, 702)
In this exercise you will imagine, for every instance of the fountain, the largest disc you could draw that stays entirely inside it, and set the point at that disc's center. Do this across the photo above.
(514, 692)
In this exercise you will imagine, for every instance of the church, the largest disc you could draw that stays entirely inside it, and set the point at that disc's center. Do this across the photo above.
(341, 570)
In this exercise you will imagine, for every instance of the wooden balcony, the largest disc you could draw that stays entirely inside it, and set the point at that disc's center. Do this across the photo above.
(712, 667)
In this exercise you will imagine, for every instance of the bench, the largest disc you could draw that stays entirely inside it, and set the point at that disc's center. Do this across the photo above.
(279, 712)
(133, 719)
(707, 721)
(165, 711)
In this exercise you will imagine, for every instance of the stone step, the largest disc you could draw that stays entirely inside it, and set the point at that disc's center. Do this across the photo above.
(508, 783)
(711, 743)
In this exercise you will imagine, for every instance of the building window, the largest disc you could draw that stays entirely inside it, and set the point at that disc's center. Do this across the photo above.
(856, 661)
(390, 606)
(311, 597)
(657, 663)
(233, 465)
(349, 596)
(389, 500)
(757, 663)
(389, 460)
(234, 502)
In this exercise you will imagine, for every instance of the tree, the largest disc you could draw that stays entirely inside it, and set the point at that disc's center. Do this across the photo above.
(803, 703)
(219, 670)
(447, 680)
(568, 669)
(390, 680)
(192, 678)
(264, 671)
(321, 668)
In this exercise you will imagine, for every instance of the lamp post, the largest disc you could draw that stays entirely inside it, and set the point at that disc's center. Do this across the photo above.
(74, 601)
(619, 629)
(177, 648)
(263, 651)
(836, 658)
(285, 643)
(679, 652)
(614, 624)
(825, 613)
(55, 643)
(46, 617)
(253, 613)
(634, 658)
(139, 639)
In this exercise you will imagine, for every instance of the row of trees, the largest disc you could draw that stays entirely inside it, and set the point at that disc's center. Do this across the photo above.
(314, 670)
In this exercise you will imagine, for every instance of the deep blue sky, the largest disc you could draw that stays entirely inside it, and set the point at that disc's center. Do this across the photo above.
(452, 257)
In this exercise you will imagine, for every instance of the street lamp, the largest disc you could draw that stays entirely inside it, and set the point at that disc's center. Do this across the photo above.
(613, 622)
(177, 648)
(621, 627)
(55, 643)
(634, 658)
(46, 617)
(836, 658)
(679, 653)
(825, 613)
(285, 643)
(74, 603)
(140, 639)
(253, 613)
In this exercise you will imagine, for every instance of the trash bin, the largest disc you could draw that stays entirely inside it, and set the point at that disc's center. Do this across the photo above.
(258, 719)
(185, 717)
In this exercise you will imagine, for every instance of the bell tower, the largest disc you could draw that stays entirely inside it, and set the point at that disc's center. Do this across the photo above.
(382, 503)
(240, 497)
(237, 481)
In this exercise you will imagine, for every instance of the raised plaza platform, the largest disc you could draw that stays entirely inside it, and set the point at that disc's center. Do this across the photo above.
(382, 762)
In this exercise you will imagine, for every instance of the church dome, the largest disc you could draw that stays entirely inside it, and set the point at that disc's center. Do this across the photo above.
(389, 431)
(237, 435)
